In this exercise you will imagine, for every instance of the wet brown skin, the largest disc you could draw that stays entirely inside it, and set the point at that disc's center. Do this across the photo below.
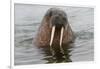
(42, 38)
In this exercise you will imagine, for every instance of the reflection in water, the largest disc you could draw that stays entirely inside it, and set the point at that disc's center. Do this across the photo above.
(58, 57)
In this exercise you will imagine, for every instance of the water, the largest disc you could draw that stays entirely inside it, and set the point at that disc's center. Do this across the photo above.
(27, 21)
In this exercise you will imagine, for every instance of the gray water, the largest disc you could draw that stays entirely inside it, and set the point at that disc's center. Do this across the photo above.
(27, 20)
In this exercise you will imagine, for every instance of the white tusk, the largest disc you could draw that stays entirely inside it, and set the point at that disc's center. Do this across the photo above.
(52, 35)
(61, 36)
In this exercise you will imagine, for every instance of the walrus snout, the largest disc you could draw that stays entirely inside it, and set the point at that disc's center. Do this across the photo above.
(58, 21)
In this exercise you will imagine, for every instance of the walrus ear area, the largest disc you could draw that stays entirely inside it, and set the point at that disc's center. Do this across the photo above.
(49, 13)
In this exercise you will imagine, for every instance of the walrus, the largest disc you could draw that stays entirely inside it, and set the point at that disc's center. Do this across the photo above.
(54, 31)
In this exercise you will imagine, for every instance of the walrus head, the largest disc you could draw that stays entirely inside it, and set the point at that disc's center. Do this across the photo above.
(57, 20)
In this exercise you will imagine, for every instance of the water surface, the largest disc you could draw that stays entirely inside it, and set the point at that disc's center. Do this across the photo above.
(27, 21)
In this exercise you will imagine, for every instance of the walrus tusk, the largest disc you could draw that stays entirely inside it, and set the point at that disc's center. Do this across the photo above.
(51, 40)
(52, 35)
(61, 35)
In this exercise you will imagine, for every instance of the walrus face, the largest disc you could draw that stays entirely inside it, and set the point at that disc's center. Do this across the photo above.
(57, 18)
(58, 21)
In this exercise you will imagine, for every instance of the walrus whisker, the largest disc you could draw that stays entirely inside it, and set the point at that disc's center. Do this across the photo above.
(51, 40)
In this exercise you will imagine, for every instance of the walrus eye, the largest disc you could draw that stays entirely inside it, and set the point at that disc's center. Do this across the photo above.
(50, 14)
